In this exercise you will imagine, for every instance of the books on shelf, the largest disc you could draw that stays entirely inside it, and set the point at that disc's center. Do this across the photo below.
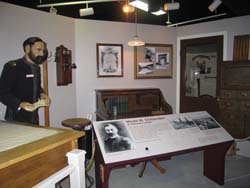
(117, 105)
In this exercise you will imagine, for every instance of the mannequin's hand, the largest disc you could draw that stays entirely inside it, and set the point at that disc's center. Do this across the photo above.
(27, 106)
(46, 99)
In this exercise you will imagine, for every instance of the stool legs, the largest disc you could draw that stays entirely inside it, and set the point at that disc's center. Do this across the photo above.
(158, 166)
(155, 164)
(144, 164)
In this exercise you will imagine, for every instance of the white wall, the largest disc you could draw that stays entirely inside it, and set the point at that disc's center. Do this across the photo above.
(88, 33)
(17, 24)
(77, 100)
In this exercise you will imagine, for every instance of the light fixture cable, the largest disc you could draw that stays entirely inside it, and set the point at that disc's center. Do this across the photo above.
(135, 40)
(136, 27)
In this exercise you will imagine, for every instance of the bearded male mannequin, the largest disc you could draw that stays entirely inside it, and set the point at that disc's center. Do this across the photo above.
(20, 83)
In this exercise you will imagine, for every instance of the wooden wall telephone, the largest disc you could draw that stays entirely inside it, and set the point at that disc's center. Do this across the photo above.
(64, 65)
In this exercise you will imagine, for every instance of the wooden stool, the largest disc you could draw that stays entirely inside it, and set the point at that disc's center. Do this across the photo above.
(76, 123)
(82, 124)
(155, 163)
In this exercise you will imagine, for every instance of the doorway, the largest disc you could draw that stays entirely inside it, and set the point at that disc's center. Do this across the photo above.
(200, 74)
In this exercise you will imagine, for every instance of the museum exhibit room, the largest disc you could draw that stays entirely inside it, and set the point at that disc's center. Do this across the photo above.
(125, 94)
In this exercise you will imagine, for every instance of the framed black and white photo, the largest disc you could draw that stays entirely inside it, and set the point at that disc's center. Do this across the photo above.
(109, 60)
(115, 137)
(153, 61)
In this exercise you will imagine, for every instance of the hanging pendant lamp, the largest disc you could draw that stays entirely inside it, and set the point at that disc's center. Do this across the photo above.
(136, 41)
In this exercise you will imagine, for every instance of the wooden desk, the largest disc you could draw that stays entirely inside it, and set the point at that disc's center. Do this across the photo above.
(130, 103)
(28, 164)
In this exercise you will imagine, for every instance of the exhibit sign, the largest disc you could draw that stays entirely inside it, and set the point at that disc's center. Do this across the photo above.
(127, 139)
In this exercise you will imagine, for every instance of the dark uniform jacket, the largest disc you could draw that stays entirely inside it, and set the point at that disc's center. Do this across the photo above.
(117, 144)
(20, 82)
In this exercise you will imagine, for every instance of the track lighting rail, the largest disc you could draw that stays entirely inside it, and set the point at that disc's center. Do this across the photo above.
(75, 3)
(195, 20)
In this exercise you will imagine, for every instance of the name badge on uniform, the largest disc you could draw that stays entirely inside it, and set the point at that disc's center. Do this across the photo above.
(29, 75)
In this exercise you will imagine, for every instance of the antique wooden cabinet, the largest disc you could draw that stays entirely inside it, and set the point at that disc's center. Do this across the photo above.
(128, 103)
(234, 99)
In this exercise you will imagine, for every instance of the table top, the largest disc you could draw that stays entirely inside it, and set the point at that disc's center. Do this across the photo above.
(22, 152)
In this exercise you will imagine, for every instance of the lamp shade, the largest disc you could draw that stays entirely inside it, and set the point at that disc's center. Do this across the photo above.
(136, 41)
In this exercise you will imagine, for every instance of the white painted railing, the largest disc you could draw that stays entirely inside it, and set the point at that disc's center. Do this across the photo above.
(75, 170)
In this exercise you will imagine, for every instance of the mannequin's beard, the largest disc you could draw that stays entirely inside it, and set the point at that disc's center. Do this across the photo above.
(36, 59)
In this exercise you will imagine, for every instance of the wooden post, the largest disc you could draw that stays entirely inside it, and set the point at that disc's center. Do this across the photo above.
(46, 90)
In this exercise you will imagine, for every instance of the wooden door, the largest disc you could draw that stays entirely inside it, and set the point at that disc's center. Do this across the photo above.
(200, 74)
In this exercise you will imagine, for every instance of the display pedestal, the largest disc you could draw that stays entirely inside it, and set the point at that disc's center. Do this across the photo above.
(213, 163)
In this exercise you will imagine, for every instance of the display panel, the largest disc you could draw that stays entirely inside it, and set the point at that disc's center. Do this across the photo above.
(133, 138)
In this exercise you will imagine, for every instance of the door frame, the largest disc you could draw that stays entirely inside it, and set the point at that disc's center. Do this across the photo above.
(178, 61)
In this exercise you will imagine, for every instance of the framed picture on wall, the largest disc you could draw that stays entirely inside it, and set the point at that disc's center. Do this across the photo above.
(109, 60)
(153, 61)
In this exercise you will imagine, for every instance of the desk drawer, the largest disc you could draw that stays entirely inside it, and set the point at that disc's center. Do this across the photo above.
(227, 104)
(228, 94)
(243, 94)
(233, 122)
(245, 106)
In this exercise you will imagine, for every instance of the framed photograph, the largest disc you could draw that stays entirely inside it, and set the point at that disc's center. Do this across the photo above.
(109, 60)
(153, 61)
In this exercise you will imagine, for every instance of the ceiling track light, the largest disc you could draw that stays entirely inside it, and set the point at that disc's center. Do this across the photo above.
(141, 4)
(171, 6)
(53, 10)
(83, 12)
(86, 11)
(214, 5)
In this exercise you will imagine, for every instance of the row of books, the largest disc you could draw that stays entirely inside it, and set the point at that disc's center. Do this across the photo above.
(117, 105)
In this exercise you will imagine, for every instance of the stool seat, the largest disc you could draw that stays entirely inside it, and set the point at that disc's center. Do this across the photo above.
(76, 123)
(81, 124)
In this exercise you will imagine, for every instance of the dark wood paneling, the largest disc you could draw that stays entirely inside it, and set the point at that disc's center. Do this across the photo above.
(234, 99)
